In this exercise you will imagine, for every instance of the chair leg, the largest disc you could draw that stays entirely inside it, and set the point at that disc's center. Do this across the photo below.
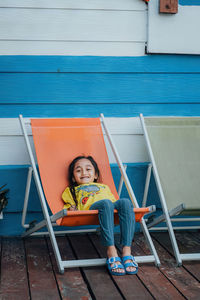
(28, 186)
(150, 242)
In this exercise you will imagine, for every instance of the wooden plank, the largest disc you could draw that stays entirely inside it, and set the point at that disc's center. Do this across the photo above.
(117, 126)
(78, 4)
(14, 282)
(41, 278)
(188, 243)
(13, 150)
(71, 284)
(125, 131)
(183, 280)
(98, 88)
(111, 110)
(89, 64)
(80, 25)
(72, 48)
(98, 278)
(130, 286)
(157, 283)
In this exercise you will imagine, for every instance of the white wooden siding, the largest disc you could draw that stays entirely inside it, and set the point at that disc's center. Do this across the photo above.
(71, 25)
(76, 4)
(127, 135)
(173, 33)
(100, 27)
(71, 48)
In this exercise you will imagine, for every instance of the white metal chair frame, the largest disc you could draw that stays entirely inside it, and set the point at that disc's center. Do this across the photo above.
(167, 215)
(49, 221)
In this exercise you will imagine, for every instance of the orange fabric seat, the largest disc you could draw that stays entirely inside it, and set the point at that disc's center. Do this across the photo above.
(57, 142)
(85, 217)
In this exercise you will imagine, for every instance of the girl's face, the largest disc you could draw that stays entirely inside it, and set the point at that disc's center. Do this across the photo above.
(84, 172)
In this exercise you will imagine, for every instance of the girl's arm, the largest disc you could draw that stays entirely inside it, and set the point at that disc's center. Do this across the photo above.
(68, 199)
(72, 208)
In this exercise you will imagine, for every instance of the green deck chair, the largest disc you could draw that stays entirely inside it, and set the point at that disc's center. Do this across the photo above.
(174, 148)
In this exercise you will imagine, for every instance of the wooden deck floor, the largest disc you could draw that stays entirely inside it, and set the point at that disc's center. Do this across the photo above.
(29, 271)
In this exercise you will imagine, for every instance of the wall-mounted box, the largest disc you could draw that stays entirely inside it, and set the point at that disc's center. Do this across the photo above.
(168, 6)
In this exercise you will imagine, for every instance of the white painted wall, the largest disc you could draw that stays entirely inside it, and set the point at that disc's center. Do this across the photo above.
(173, 33)
(96, 27)
(126, 132)
(73, 27)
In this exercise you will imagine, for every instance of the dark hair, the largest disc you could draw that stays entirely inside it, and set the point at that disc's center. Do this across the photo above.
(72, 184)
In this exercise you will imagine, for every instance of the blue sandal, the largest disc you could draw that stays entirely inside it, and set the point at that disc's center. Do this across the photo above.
(111, 261)
(130, 264)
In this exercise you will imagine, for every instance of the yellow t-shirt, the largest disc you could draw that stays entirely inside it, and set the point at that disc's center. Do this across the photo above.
(86, 195)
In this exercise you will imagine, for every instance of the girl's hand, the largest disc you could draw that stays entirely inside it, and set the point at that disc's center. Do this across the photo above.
(73, 207)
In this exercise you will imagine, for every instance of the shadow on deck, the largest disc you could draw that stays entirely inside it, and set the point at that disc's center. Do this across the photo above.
(29, 271)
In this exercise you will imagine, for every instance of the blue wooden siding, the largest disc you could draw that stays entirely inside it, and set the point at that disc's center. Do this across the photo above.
(189, 2)
(85, 86)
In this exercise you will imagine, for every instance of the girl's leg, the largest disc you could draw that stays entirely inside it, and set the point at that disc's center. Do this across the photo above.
(127, 226)
(126, 220)
(106, 220)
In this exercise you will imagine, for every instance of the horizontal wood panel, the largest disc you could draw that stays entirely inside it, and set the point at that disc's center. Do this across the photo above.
(103, 28)
(125, 131)
(72, 48)
(40, 24)
(13, 151)
(130, 148)
(145, 64)
(98, 88)
(93, 110)
(117, 126)
(189, 2)
(78, 4)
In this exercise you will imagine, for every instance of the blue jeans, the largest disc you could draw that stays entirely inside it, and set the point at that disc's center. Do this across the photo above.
(106, 220)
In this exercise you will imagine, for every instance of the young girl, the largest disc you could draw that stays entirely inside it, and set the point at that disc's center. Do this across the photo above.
(84, 193)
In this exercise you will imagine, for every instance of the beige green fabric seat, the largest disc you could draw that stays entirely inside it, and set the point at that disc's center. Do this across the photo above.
(174, 149)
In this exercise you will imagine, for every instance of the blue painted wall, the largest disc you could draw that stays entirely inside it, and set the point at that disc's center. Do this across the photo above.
(85, 86)
(189, 2)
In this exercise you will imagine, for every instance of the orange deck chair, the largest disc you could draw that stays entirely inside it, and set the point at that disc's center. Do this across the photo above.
(57, 142)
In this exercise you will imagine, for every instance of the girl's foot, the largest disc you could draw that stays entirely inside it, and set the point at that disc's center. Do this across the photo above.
(129, 263)
(112, 253)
